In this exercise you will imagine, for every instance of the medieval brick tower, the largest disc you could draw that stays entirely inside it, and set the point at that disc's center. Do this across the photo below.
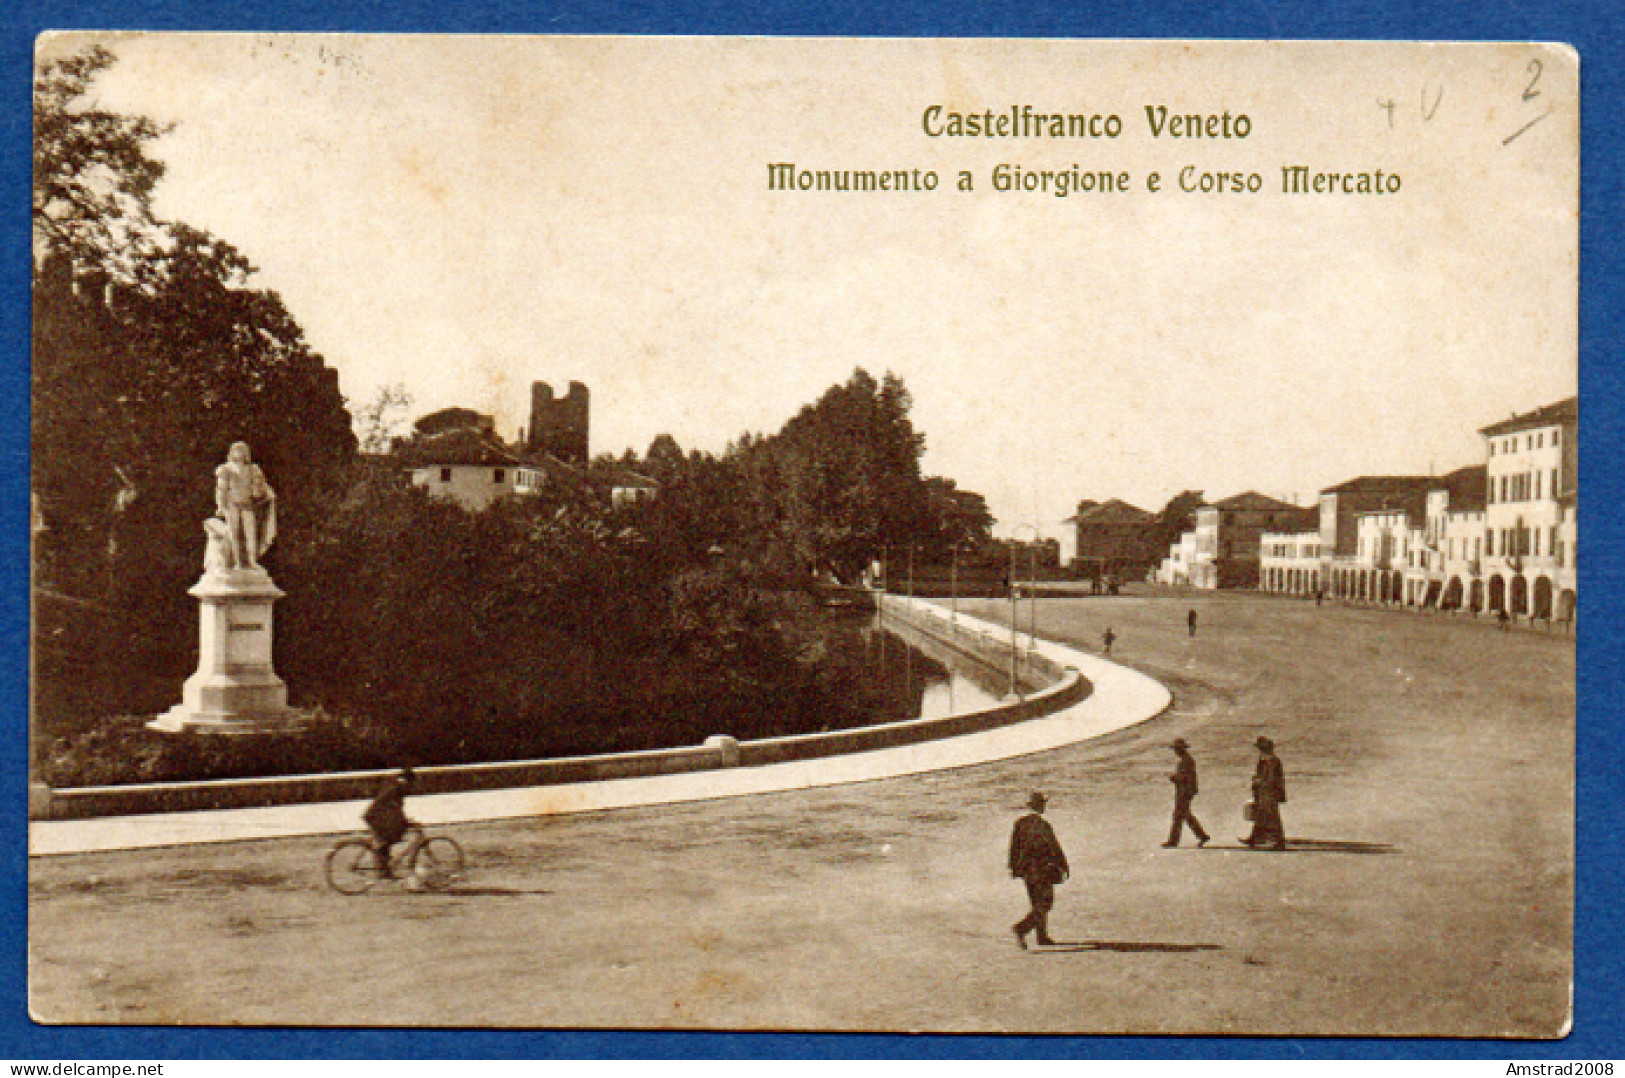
(558, 425)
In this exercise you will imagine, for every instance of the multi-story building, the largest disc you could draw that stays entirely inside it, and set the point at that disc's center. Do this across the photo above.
(1530, 526)
(1289, 562)
(1178, 568)
(1343, 572)
(468, 465)
(1445, 566)
(1488, 538)
(1385, 541)
(1229, 534)
(1112, 540)
(456, 454)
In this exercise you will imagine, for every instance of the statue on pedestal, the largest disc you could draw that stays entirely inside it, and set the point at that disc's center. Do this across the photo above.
(235, 688)
(246, 513)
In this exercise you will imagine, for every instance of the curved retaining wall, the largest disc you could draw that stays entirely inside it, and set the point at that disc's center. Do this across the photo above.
(1054, 687)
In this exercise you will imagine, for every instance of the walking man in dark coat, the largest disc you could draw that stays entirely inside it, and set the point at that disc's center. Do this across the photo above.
(1184, 780)
(1269, 794)
(1037, 860)
(1190, 623)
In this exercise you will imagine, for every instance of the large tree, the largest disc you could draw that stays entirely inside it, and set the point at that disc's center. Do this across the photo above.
(152, 353)
(93, 178)
(851, 475)
(836, 487)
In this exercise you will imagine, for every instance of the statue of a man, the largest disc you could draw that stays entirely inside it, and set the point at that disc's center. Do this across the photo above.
(247, 505)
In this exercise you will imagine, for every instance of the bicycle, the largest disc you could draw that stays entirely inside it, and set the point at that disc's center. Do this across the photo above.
(432, 863)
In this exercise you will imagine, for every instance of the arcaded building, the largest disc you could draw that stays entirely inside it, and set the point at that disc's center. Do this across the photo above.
(1530, 516)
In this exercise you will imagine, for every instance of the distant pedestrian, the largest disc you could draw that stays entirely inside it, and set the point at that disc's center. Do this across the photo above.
(1190, 623)
(1184, 780)
(1106, 640)
(1269, 794)
(1037, 860)
(1503, 619)
(1319, 596)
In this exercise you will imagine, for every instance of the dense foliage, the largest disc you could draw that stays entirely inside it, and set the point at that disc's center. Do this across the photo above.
(838, 487)
(151, 354)
(545, 625)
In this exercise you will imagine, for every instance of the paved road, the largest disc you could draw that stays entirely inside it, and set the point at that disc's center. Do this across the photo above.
(1431, 768)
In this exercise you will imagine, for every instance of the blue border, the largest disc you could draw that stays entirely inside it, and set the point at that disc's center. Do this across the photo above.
(1596, 30)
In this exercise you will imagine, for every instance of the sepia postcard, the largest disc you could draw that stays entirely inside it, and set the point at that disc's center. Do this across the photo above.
(883, 535)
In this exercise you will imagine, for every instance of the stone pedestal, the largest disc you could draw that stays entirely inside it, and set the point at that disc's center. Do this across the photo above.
(235, 689)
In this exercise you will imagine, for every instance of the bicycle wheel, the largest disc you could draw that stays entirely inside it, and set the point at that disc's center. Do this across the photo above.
(438, 863)
(352, 867)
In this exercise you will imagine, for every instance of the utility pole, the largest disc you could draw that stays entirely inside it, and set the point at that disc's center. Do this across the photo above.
(1013, 617)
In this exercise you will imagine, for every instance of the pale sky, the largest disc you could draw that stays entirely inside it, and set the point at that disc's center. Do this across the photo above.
(466, 215)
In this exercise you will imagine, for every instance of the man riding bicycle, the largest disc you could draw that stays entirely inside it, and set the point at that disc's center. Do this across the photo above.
(386, 818)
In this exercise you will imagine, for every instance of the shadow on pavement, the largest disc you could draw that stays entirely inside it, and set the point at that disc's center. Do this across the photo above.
(1325, 845)
(1128, 946)
(1307, 845)
(488, 892)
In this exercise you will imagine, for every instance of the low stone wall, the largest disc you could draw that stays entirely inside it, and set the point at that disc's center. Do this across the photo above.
(87, 801)
(975, 640)
(1060, 687)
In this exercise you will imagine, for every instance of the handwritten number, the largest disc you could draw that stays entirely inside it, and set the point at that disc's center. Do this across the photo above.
(1529, 92)
(1427, 113)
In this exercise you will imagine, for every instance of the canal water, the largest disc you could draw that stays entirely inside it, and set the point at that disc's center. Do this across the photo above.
(916, 676)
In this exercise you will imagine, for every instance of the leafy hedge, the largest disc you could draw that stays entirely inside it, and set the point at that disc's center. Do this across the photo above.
(539, 628)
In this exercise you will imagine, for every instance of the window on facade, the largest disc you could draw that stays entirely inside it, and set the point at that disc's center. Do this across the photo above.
(445, 475)
(1557, 437)
(498, 475)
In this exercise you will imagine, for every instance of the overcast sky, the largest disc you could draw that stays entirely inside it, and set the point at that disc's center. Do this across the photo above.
(466, 215)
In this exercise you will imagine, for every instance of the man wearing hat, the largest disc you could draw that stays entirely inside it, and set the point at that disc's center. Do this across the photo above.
(1184, 780)
(386, 817)
(1037, 860)
(1269, 794)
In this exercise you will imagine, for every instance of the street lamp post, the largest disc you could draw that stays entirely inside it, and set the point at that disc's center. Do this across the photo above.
(1014, 683)
(1032, 592)
(1032, 584)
